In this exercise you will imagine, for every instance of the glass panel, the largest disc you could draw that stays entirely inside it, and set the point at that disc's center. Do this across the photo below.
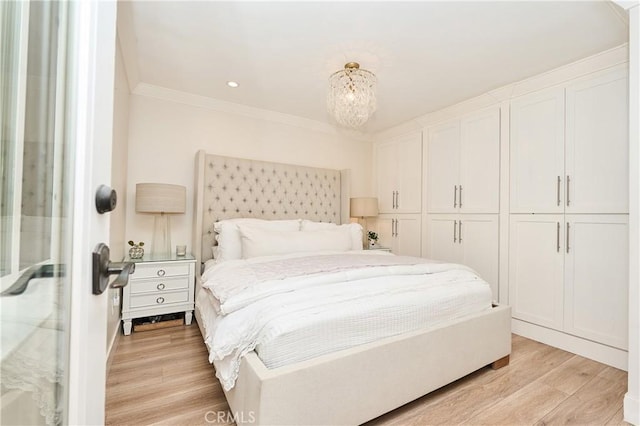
(10, 35)
(33, 318)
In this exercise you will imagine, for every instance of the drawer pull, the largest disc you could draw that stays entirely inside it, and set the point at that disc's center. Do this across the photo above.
(160, 300)
(161, 272)
(160, 286)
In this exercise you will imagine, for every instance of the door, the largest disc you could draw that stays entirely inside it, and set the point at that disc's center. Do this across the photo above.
(537, 153)
(387, 164)
(443, 168)
(57, 88)
(597, 277)
(479, 183)
(478, 238)
(597, 151)
(409, 172)
(408, 235)
(536, 260)
(442, 234)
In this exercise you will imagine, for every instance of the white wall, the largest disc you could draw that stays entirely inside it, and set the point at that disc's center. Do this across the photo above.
(117, 218)
(165, 135)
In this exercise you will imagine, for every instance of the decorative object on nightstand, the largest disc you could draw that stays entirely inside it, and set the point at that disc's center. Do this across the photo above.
(373, 239)
(362, 208)
(160, 285)
(161, 199)
(136, 251)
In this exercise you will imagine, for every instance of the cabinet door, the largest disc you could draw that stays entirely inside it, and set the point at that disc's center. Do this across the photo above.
(596, 278)
(536, 260)
(597, 147)
(443, 168)
(442, 234)
(387, 164)
(408, 235)
(409, 174)
(478, 236)
(386, 233)
(480, 163)
(537, 153)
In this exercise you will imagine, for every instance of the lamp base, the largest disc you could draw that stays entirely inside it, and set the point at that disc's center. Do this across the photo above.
(161, 235)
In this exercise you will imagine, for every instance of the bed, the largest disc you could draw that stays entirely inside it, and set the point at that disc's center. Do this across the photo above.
(349, 385)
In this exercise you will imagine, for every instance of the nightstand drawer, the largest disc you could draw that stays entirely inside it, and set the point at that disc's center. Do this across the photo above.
(160, 271)
(158, 284)
(157, 299)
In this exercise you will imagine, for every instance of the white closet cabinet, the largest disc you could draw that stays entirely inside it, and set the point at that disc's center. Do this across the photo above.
(399, 169)
(402, 233)
(463, 170)
(597, 148)
(585, 173)
(570, 273)
(536, 269)
(471, 240)
(597, 277)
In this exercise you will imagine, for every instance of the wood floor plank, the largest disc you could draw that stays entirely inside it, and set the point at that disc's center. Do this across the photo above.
(163, 377)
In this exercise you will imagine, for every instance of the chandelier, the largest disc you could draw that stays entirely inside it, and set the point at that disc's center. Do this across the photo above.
(352, 95)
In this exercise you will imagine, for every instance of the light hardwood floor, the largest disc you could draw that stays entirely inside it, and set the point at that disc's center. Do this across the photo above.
(163, 377)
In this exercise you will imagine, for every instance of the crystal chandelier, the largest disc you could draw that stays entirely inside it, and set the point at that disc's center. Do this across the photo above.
(352, 95)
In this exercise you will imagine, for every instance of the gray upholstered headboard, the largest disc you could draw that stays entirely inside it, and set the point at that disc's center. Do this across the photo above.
(229, 187)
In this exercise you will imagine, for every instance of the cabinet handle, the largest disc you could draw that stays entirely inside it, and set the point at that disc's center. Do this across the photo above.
(455, 196)
(397, 199)
(393, 199)
(160, 300)
(397, 227)
(455, 235)
(460, 203)
(160, 286)
(558, 190)
(568, 228)
(460, 228)
(161, 272)
(558, 238)
(568, 200)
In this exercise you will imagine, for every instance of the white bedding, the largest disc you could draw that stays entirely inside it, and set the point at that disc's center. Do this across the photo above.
(297, 307)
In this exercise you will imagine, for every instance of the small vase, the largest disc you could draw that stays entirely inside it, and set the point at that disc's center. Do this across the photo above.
(372, 244)
(136, 252)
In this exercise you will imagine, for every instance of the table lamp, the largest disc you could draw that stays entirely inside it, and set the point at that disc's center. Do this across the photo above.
(162, 200)
(362, 208)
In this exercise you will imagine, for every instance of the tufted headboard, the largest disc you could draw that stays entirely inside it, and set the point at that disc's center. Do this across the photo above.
(229, 187)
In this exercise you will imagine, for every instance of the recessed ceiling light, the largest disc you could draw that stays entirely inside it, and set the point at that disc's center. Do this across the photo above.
(232, 84)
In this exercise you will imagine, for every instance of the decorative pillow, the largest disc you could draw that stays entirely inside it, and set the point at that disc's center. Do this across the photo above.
(354, 229)
(258, 241)
(229, 240)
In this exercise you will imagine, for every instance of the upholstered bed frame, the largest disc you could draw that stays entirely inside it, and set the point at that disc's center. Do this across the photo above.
(353, 385)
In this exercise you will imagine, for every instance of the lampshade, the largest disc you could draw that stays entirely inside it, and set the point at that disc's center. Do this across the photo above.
(364, 207)
(352, 95)
(160, 198)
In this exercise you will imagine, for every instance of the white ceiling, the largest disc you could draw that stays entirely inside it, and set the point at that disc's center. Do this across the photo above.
(427, 55)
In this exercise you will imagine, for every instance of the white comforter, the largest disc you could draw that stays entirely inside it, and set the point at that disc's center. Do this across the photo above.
(260, 299)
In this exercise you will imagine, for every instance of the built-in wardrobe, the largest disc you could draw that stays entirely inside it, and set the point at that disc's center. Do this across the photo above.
(531, 191)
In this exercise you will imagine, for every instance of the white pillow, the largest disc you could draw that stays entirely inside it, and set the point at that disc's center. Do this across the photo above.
(229, 240)
(257, 241)
(354, 229)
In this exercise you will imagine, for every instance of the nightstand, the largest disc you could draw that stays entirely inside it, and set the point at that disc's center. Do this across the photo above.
(379, 248)
(159, 285)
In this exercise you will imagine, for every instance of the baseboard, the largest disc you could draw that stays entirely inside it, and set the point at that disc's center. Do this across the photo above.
(631, 410)
(115, 339)
(596, 351)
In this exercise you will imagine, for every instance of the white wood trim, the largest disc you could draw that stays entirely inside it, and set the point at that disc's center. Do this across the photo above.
(632, 398)
(198, 208)
(152, 91)
(602, 353)
(503, 215)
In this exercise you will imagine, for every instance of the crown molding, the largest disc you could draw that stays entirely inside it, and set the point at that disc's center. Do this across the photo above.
(171, 95)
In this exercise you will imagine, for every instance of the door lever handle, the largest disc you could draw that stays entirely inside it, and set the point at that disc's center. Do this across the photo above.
(103, 268)
(37, 271)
